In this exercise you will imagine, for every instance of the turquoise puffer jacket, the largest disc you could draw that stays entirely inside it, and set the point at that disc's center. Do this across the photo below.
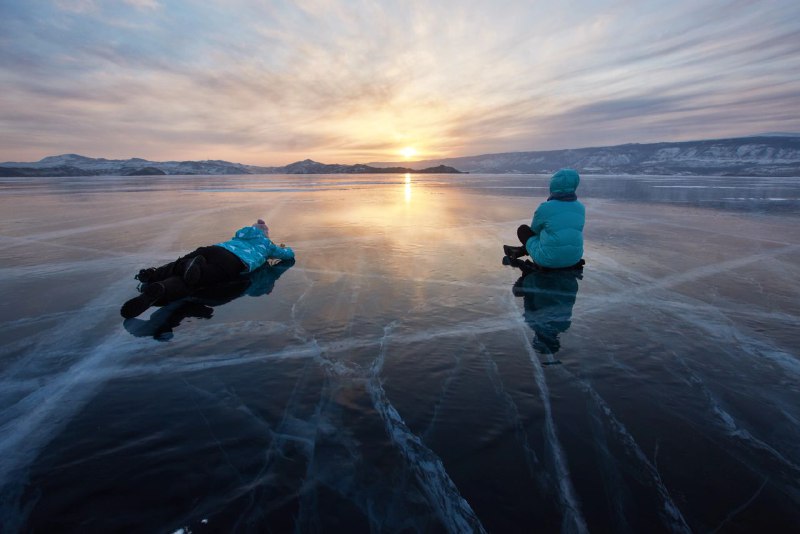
(558, 224)
(254, 248)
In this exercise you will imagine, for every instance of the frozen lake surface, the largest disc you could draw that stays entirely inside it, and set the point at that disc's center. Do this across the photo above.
(398, 377)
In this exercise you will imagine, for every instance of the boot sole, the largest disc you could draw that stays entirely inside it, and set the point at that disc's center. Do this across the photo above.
(137, 306)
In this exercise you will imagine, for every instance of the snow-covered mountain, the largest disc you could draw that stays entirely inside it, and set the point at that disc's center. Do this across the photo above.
(766, 155)
(75, 165)
(769, 155)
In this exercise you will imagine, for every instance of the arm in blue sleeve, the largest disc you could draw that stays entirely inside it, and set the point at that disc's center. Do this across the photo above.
(538, 220)
(281, 253)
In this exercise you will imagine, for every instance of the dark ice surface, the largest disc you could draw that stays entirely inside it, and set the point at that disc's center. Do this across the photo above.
(398, 377)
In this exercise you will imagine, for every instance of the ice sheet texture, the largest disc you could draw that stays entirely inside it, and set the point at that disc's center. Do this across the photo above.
(398, 377)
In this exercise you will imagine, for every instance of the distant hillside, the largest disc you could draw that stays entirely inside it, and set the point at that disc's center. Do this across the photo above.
(768, 155)
(774, 154)
(313, 167)
(75, 165)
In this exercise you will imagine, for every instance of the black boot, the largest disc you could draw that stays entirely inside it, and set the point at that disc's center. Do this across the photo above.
(514, 252)
(145, 276)
(157, 274)
(138, 305)
(526, 266)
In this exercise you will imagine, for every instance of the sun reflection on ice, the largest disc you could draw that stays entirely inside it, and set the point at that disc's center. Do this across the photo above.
(408, 187)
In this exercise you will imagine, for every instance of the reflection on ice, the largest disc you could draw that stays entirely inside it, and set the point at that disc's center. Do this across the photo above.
(548, 298)
(397, 377)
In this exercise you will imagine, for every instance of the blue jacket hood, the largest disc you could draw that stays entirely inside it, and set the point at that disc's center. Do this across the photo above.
(249, 232)
(564, 181)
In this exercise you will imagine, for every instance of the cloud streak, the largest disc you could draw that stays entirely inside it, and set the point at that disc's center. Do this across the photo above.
(271, 82)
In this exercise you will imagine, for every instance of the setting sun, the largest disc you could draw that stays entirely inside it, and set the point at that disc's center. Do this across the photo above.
(408, 152)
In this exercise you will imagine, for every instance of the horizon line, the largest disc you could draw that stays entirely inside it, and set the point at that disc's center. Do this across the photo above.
(764, 134)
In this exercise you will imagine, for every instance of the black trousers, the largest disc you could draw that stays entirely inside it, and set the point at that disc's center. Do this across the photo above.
(220, 266)
(524, 233)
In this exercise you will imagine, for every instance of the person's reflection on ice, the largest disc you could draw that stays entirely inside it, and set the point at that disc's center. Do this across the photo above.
(201, 303)
(548, 296)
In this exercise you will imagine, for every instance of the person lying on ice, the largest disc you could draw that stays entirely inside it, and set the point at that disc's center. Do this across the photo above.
(249, 249)
(554, 239)
(200, 304)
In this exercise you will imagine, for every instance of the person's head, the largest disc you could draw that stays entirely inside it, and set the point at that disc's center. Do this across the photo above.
(261, 225)
(564, 181)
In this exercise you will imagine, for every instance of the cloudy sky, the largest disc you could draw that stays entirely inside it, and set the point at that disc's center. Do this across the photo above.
(345, 81)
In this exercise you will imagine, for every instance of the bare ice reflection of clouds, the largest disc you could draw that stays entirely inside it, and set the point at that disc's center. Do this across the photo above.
(393, 289)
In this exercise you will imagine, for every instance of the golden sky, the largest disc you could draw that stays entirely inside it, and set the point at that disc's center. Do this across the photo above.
(269, 83)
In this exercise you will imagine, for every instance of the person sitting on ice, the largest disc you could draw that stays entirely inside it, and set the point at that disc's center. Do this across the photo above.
(249, 249)
(554, 239)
